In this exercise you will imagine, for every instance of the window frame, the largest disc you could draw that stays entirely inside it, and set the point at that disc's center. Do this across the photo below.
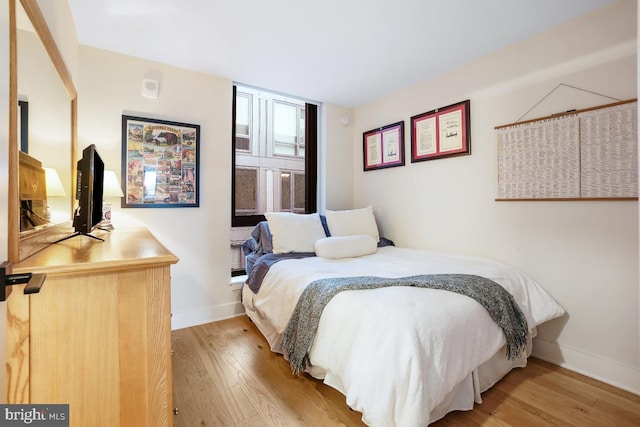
(310, 160)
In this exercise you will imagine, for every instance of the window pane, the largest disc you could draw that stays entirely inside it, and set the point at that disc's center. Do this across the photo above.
(284, 119)
(299, 191)
(284, 149)
(285, 132)
(242, 143)
(285, 185)
(246, 191)
(243, 121)
(242, 129)
(301, 123)
(243, 111)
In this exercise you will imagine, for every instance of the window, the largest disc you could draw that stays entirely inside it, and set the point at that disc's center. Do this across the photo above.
(247, 190)
(288, 129)
(292, 187)
(274, 160)
(243, 120)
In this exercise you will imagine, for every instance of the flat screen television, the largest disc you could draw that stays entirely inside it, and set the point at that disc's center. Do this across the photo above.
(89, 179)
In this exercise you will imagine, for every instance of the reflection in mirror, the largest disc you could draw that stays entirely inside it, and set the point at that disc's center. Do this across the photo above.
(23, 126)
(49, 112)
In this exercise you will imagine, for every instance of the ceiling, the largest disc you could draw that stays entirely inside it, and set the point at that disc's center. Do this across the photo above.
(345, 52)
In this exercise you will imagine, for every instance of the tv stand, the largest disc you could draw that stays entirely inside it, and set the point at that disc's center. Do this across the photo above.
(78, 233)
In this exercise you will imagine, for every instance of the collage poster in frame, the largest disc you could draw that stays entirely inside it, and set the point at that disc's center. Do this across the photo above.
(383, 147)
(440, 133)
(159, 163)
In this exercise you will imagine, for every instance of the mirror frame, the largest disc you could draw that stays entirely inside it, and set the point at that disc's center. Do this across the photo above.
(15, 249)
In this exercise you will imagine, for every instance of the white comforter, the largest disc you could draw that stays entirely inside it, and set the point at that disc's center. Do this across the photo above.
(397, 352)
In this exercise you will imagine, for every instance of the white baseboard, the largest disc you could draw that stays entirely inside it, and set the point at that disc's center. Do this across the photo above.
(185, 319)
(592, 365)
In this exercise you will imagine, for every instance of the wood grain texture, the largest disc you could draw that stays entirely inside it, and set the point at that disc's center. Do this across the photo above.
(74, 346)
(98, 335)
(145, 346)
(18, 338)
(226, 375)
(124, 248)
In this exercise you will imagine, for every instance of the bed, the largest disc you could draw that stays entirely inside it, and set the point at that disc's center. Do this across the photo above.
(401, 355)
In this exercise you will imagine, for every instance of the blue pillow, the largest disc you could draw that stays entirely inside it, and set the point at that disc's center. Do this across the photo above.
(323, 220)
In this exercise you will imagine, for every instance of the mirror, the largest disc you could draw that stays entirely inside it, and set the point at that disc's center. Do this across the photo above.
(49, 113)
(39, 77)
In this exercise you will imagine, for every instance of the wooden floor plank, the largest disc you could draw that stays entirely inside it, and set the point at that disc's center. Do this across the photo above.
(226, 375)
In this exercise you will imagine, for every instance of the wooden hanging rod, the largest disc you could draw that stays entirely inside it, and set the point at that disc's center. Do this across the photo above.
(571, 199)
(567, 113)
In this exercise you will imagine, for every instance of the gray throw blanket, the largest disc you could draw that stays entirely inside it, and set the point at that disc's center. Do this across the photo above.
(262, 265)
(302, 327)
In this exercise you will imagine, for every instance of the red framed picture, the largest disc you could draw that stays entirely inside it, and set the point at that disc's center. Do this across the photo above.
(383, 147)
(443, 132)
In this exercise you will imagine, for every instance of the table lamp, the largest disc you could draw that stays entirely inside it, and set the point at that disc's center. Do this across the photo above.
(54, 187)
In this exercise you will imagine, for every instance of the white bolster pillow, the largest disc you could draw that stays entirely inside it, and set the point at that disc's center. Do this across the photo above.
(338, 247)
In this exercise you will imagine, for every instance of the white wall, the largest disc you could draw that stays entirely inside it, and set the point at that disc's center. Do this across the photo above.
(584, 253)
(49, 116)
(109, 86)
(336, 159)
(60, 23)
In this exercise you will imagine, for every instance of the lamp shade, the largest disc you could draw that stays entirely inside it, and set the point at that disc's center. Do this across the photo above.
(54, 185)
(111, 187)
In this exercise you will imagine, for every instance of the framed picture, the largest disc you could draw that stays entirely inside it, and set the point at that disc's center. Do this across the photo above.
(444, 132)
(159, 163)
(383, 147)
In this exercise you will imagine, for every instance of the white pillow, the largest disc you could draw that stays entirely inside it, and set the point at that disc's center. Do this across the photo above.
(294, 232)
(352, 222)
(337, 247)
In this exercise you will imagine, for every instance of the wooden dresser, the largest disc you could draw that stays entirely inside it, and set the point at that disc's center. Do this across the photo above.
(98, 335)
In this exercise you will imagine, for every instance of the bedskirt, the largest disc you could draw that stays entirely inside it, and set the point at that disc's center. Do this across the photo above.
(461, 398)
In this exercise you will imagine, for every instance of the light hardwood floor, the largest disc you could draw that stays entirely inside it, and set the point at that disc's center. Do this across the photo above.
(225, 375)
